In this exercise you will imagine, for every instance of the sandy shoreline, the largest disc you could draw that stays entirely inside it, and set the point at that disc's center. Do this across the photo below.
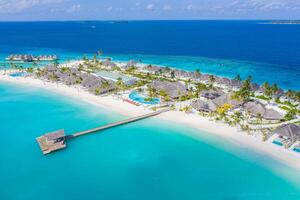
(195, 121)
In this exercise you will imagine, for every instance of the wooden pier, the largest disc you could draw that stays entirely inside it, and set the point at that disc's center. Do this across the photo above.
(57, 140)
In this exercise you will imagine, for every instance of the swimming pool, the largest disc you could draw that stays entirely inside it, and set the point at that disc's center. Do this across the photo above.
(136, 96)
(277, 143)
(18, 74)
(297, 149)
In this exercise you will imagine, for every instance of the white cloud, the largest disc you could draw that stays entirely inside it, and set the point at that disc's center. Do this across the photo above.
(73, 8)
(150, 6)
(15, 6)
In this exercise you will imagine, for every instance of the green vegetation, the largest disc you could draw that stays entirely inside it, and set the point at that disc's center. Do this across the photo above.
(244, 93)
(263, 97)
(291, 114)
(29, 70)
(269, 91)
(186, 109)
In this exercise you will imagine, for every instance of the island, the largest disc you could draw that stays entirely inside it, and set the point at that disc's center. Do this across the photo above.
(230, 107)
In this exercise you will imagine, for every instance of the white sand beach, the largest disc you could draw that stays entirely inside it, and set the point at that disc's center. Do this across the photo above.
(193, 120)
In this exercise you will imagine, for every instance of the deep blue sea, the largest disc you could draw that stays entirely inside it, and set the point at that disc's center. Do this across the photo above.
(268, 52)
(149, 159)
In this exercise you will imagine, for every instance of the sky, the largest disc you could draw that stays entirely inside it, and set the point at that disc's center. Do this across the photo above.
(33, 10)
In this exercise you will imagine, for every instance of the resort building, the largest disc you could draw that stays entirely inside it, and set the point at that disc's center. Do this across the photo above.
(130, 63)
(257, 109)
(214, 104)
(97, 84)
(211, 94)
(52, 141)
(289, 134)
(204, 106)
(115, 76)
(175, 90)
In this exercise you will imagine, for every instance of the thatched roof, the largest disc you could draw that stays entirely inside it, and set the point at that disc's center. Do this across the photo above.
(256, 108)
(173, 89)
(211, 94)
(226, 99)
(291, 131)
(204, 106)
(51, 67)
(54, 135)
(70, 80)
(271, 114)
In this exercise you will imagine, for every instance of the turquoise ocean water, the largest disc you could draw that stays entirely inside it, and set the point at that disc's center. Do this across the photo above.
(149, 159)
(135, 161)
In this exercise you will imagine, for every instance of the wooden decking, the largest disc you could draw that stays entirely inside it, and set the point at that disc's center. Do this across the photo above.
(126, 121)
(57, 140)
(52, 141)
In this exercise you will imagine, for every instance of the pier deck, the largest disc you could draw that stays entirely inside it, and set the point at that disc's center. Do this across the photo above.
(57, 140)
(52, 141)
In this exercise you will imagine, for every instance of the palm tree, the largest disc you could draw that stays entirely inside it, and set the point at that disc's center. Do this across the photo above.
(172, 74)
(245, 91)
(120, 84)
(100, 52)
(238, 78)
(186, 109)
(237, 118)
(274, 88)
(259, 118)
(198, 72)
(151, 91)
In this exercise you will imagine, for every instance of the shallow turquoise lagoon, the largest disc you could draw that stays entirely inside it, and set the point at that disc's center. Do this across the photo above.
(146, 160)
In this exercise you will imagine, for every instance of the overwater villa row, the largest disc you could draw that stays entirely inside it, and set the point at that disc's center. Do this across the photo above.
(31, 58)
(265, 110)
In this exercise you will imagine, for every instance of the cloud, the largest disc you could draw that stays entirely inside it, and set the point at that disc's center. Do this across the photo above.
(73, 8)
(15, 6)
(264, 5)
(150, 6)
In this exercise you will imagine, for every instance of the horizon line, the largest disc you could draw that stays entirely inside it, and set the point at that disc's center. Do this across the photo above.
(131, 20)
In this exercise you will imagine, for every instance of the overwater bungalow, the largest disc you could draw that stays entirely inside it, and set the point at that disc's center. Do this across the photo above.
(31, 58)
(52, 141)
